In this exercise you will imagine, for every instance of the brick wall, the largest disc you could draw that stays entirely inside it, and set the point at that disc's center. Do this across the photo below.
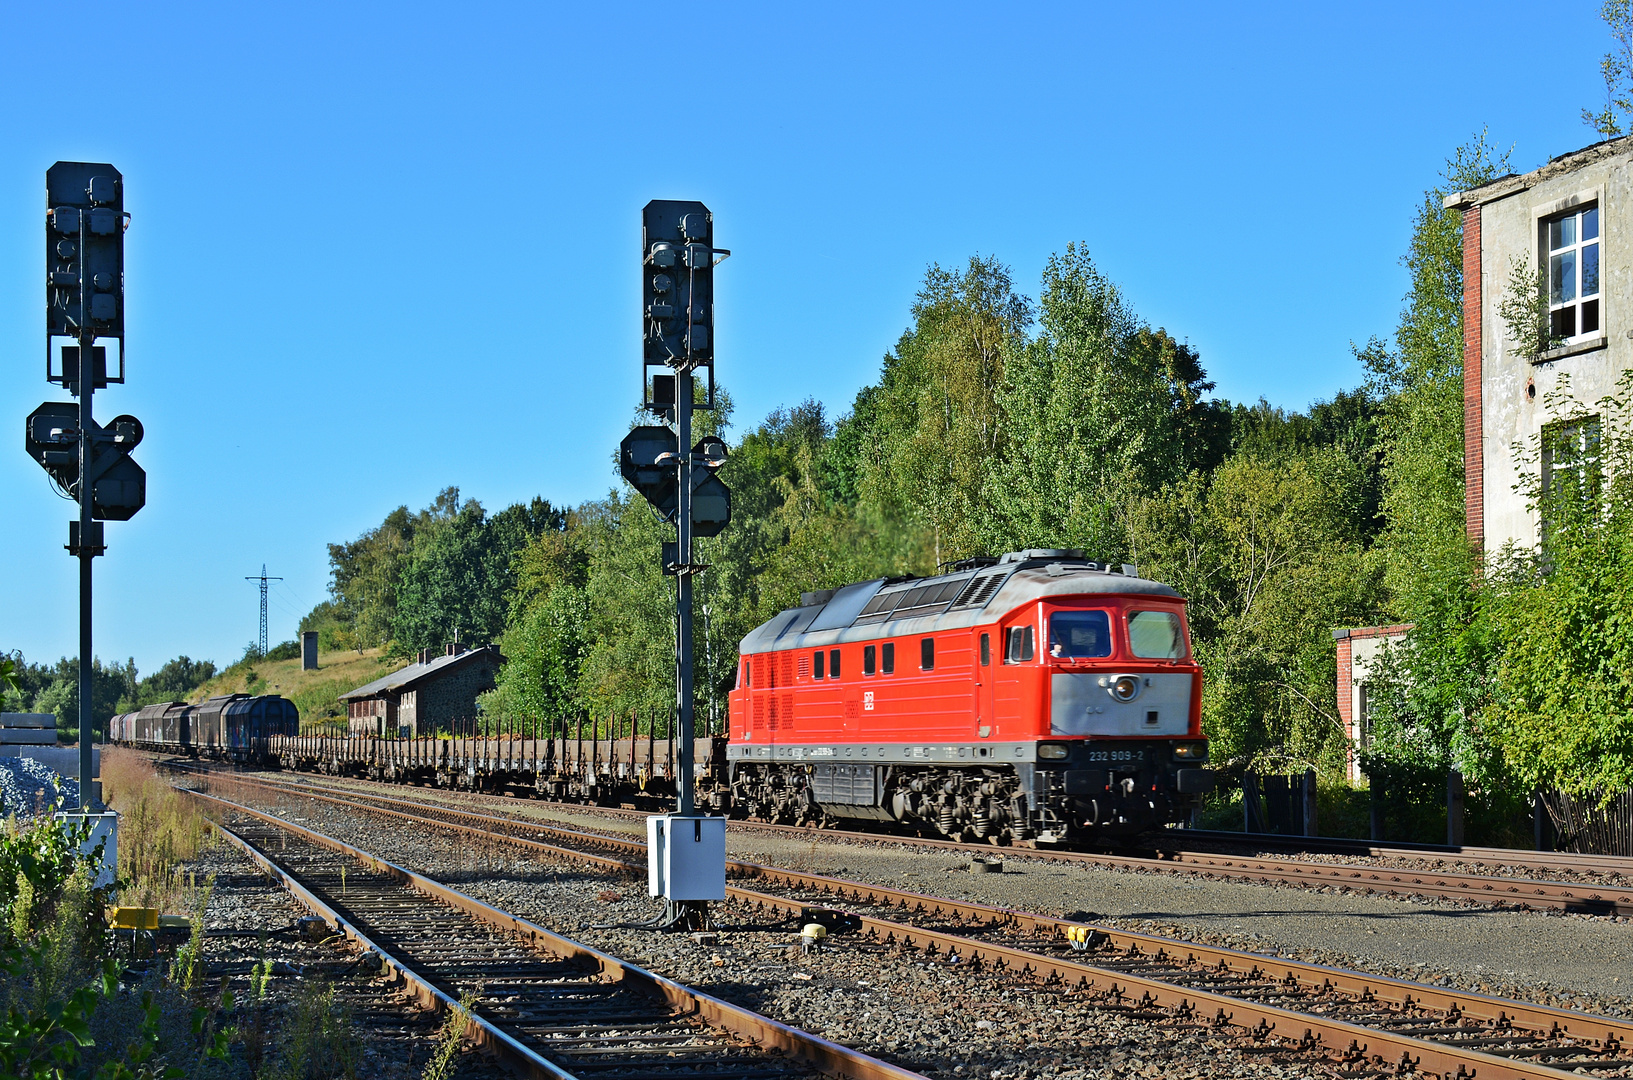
(1474, 462)
(1346, 685)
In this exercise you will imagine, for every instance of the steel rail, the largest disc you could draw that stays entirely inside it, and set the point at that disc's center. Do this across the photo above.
(1545, 1021)
(759, 1030)
(1528, 893)
(1583, 897)
(1339, 845)
(1586, 897)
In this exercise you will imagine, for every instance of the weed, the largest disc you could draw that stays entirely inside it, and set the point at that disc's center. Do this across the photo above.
(184, 969)
(450, 1038)
(319, 1042)
(159, 830)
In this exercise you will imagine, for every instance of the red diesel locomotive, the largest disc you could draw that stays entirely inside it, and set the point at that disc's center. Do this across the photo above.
(1037, 697)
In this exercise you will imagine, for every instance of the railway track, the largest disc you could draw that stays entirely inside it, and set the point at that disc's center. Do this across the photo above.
(1433, 853)
(1588, 897)
(1368, 1025)
(552, 1007)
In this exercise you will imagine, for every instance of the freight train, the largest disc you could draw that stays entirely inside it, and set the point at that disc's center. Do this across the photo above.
(233, 726)
(1036, 697)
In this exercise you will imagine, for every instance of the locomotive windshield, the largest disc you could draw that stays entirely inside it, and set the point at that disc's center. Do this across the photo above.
(1156, 635)
(1080, 634)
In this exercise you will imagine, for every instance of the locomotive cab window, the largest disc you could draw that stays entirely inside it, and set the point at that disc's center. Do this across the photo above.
(1156, 635)
(748, 678)
(889, 657)
(816, 664)
(927, 654)
(1079, 634)
(1020, 646)
(833, 663)
(869, 659)
(986, 650)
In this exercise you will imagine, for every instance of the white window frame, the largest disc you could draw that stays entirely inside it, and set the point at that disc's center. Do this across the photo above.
(1574, 209)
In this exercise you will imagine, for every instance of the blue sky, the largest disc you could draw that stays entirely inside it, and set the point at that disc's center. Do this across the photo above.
(381, 249)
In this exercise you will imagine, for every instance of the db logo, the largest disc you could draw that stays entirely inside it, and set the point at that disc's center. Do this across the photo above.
(867, 701)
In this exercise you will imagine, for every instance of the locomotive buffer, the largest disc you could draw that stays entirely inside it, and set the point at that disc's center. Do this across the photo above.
(686, 851)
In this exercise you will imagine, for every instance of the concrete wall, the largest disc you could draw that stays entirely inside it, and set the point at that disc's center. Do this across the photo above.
(1506, 409)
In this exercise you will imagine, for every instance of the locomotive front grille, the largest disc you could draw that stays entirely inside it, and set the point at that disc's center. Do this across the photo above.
(1095, 703)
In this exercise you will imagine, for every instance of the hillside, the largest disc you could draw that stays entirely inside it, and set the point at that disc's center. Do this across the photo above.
(313, 692)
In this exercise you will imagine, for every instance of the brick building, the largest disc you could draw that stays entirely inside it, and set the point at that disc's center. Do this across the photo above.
(426, 697)
(1358, 647)
(1572, 219)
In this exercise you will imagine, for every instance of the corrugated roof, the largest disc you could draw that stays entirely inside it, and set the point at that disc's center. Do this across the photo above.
(413, 673)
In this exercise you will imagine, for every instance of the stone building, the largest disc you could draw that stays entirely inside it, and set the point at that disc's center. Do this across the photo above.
(426, 697)
(1573, 220)
(1358, 648)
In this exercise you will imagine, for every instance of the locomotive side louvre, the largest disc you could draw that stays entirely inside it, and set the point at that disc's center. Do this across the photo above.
(1038, 696)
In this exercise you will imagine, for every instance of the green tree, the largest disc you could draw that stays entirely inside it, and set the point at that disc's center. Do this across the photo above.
(549, 627)
(1425, 701)
(1095, 411)
(1562, 615)
(1616, 69)
(937, 430)
(1269, 555)
(110, 685)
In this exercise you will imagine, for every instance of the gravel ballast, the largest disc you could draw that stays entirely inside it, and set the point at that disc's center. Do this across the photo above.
(28, 788)
(934, 1018)
(1571, 961)
(250, 919)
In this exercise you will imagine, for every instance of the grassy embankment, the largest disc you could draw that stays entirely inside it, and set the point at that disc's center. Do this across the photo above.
(160, 830)
(313, 692)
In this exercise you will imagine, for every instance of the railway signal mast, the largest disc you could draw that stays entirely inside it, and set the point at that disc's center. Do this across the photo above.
(686, 851)
(85, 222)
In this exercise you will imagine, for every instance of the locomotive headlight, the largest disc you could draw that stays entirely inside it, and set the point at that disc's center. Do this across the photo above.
(1053, 751)
(1191, 752)
(1124, 688)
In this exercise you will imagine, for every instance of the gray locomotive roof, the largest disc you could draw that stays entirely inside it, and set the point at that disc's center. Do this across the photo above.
(880, 608)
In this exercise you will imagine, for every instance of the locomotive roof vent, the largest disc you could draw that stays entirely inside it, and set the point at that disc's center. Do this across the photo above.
(1030, 554)
(816, 598)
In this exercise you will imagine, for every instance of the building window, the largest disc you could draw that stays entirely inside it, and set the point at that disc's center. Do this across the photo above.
(1573, 274)
(1570, 468)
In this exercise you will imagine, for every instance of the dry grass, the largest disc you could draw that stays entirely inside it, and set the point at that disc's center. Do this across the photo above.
(159, 831)
(314, 693)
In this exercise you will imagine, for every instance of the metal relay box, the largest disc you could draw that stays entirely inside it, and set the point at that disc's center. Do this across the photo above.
(686, 857)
